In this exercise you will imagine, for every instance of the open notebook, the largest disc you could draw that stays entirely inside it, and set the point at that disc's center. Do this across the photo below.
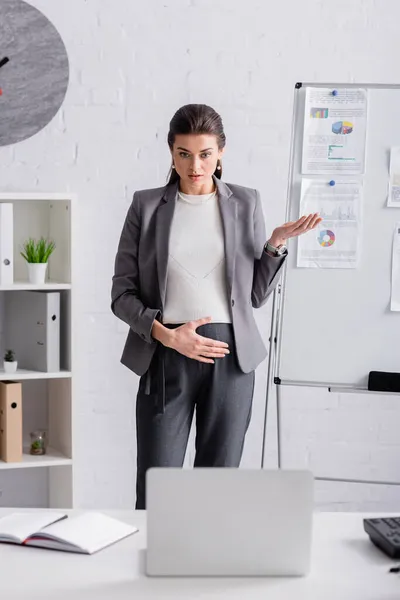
(85, 533)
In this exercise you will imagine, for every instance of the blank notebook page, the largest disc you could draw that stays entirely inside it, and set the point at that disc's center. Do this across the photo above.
(21, 525)
(90, 531)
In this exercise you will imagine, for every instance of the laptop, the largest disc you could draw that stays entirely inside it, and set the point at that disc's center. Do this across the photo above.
(228, 522)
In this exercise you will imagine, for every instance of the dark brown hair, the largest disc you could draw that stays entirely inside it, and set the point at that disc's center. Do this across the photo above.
(196, 119)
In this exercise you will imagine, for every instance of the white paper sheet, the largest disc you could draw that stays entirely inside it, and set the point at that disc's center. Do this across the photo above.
(394, 178)
(335, 243)
(334, 131)
(395, 295)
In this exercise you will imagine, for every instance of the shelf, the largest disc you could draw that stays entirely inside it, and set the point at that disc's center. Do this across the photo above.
(53, 458)
(25, 285)
(23, 374)
(47, 396)
(37, 196)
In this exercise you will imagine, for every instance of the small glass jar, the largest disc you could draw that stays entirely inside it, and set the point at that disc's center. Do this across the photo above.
(38, 442)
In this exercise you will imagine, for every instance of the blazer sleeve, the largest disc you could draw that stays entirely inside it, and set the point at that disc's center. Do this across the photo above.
(125, 292)
(267, 268)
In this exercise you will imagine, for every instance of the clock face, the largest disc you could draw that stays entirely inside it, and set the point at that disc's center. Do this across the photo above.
(34, 71)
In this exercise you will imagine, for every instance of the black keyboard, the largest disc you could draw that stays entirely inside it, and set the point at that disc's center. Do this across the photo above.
(385, 533)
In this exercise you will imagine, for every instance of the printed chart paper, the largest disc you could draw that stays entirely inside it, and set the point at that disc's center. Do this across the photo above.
(394, 178)
(395, 296)
(335, 243)
(334, 131)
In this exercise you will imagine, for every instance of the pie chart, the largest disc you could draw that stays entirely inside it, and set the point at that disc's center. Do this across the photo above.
(343, 127)
(326, 238)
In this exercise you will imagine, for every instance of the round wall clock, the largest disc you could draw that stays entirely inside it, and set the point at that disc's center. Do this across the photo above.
(34, 71)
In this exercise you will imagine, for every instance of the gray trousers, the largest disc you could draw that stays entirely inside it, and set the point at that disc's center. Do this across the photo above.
(220, 393)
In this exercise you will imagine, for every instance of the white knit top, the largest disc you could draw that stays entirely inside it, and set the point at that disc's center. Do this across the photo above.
(196, 276)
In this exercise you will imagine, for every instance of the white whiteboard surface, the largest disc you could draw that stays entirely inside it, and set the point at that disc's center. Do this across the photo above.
(335, 324)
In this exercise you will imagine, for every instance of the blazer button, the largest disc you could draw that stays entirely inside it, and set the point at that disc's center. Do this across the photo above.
(233, 303)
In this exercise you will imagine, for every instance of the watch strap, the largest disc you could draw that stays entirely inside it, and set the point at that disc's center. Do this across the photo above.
(274, 250)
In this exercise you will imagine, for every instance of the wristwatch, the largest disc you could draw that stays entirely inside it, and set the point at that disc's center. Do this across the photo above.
(279, 251)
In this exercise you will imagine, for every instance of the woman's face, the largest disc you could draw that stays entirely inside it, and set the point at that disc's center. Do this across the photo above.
(195, 158)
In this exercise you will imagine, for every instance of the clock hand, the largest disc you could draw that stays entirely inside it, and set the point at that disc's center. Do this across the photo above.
(3, 62)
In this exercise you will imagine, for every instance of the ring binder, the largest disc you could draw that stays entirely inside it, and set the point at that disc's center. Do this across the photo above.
(10, 421)
(6, 244)
(32, 329)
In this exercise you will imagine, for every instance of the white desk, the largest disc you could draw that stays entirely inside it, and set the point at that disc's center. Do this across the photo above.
(346, 566)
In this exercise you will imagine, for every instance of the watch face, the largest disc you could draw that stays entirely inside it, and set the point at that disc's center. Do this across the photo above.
(34, 71)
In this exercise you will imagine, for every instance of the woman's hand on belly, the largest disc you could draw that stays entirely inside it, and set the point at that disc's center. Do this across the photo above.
(185, 340)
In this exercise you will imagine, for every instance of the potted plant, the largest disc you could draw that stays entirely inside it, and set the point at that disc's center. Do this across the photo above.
(36, 253)
(9, 362)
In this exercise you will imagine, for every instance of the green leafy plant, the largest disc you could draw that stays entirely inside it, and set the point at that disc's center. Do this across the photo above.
(9, 356)
(37, 251)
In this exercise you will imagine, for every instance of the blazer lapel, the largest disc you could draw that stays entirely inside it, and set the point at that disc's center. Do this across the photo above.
(164, 216)
(228, 209)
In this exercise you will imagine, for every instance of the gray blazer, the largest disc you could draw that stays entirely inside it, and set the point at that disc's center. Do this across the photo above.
(139, 281)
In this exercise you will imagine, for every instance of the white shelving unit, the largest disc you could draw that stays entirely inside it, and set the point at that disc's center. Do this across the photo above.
(25, 285)
(53, 458)
(47, 397)
(24, 374)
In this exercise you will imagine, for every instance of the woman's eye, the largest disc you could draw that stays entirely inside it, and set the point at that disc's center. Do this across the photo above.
(186, 155)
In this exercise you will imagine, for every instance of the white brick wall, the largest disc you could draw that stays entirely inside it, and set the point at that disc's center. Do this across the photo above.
(132, 65)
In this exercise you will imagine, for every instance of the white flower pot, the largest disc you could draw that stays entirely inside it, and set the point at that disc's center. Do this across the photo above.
(37, 272)
(10, 367)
